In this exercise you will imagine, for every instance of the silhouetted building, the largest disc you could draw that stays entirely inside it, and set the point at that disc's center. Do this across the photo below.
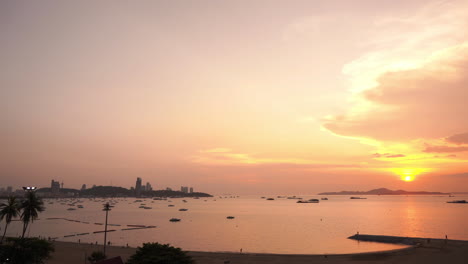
(168, 189)
(83, 187)
(184, 189)
(148, 187)
(9, 189)
(191, 189)
(55, 187)
(138, 187)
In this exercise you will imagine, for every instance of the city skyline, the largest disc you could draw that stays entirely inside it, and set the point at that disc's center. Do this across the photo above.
(235, 97)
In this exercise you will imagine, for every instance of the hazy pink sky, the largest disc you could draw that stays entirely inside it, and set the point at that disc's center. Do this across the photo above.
(235, 96)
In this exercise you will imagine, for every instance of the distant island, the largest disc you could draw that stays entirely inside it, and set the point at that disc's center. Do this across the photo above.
(382, 191)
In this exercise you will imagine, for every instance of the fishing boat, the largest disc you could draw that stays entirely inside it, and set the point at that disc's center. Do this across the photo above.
(458, 201)
(309, 201)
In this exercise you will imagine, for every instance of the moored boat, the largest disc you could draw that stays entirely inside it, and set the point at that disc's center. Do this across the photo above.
(309, 201)
(458, 201)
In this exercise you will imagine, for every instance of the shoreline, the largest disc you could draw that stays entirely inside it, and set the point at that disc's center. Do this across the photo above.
(436, 251)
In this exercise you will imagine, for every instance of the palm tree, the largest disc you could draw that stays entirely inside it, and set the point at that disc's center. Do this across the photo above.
(8, 210)
(107, 208)
(30, 206)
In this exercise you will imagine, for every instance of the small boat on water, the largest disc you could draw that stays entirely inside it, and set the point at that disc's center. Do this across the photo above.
(324, 198)
(174, 220)
(309, 201)
(356, 198)
(71, 209)
(230, 217)
(271, 199)
(458, 201)
(147, 207)
(79, 206)
(183, 209)
(170, 205)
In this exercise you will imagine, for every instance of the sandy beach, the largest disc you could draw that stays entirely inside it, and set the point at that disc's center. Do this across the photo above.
(434, 251)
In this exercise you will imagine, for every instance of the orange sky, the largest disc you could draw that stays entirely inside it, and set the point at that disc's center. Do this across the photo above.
(235, 96)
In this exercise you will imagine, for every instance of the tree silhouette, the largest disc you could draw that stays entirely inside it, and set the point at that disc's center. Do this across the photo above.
(96, 256)
(30, 207)
(107, 208)
(155, 253)
(8, 210)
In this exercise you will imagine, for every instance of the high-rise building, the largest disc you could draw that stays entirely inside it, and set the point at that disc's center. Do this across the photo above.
(191, 189)
(184, 189)
(138, 187)
(148, 187)
(55, 187)
(83, 187)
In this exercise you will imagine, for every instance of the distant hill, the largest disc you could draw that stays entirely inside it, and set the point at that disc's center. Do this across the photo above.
(382, 191)
(61, 190)
(167, 193)
(113, 191)
(106, 191)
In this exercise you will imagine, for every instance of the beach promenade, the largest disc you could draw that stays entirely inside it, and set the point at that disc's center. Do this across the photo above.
(426, 251)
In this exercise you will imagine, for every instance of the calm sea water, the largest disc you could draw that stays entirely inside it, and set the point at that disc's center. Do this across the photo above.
(279, 226)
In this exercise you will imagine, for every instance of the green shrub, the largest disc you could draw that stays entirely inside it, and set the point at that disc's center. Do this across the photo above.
(25, 251)
(96, 256)
(155, 253)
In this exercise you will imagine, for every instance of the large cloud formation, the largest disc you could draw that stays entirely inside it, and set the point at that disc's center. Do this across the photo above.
(428, 102)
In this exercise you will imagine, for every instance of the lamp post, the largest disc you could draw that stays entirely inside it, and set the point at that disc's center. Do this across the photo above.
(29, 188)
(107, 208)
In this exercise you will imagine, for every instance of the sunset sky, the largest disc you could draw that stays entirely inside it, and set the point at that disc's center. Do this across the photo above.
(237, 97)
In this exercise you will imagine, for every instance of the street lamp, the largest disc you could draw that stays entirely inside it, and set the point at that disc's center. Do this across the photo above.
(29, 188)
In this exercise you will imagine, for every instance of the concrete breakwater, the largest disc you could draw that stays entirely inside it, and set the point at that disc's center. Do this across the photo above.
(394, 239)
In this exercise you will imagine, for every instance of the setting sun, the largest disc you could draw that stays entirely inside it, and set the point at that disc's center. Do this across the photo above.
(408, 178)
(408, 174)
